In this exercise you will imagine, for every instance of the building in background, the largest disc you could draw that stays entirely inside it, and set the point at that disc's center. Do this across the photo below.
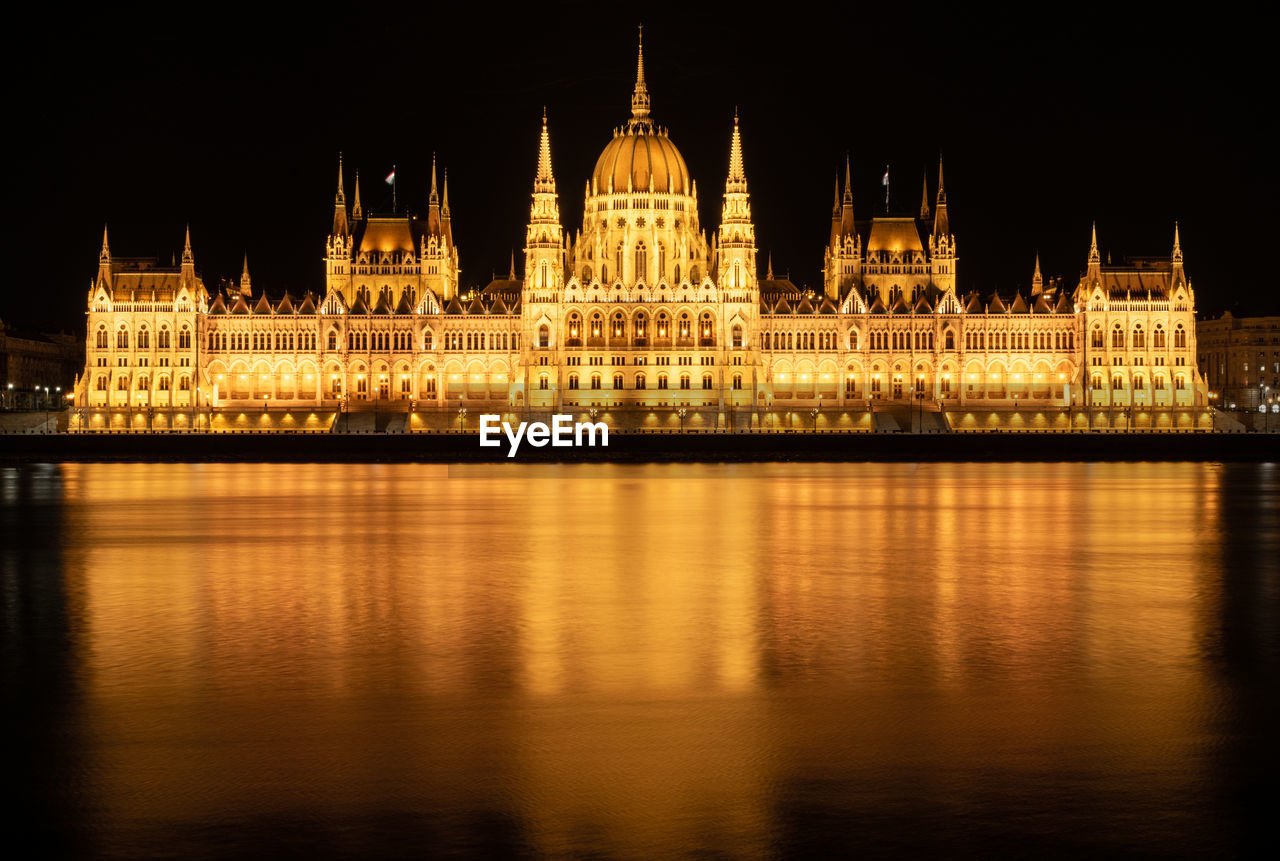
(36, 369)
(644, 319)
(1239, 359)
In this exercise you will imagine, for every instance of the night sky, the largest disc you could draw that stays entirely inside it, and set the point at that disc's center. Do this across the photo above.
(1046, 121)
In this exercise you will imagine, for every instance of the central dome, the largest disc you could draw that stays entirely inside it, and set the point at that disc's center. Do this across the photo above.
(637, 156)
(640, 154)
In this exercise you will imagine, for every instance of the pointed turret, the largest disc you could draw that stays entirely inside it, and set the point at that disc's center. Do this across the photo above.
(737, 180)
(446, 218)
(924, 200)
(545, 181)
(846, 212)
(356, 211)
(1179, 275)
(340, 227)
(640, 96)
(1095, 259)
(245, 287)
(941, 224)
(104, 261)
(511, 273)
(1037, 281)
(769, 271)
(434, 227)
(188, 261)
(834, 239)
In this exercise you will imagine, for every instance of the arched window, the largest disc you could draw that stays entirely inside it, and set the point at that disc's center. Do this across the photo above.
(737, 337)
(663, 325)
(950, 341)
(162, 338)
(1179, 339)
(144, 383)
(184, 384)
(1095, 382)
(737, 381)
(101, 383)
(573, 381)
(1095, 339)
(595, 382)
(1117, 382)
(662, 381)
(544, 337)
(617, 381)
(618, 258)
(597, 325)
(640, 381)
(706, 381)
(642, 259)
(162, 384)
(641, 333)
(1180, 382)
(662, 262)
(677, 275)
(736, 280)
(1117, 338)
(122, 339)
(1139, 338)
(706, 332)
(144, 339)
(122, 384)
(544, 274)
(102, 338)
(1139, 383)
(543, 383)
(1157, 337)
(184, 338)
(684, 381)
(619, 326)
(574, 332)
(684, 324)
(586, 273)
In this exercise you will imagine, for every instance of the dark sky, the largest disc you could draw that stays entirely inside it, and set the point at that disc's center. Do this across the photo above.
(1047, 120)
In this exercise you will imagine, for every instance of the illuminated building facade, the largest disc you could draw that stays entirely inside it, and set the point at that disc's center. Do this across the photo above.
(643, 320)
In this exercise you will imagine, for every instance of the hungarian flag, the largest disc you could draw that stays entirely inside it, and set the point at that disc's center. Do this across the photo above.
(391, 177)
(885, 181)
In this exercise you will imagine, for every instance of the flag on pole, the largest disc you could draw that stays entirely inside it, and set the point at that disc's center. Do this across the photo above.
(885, 181)
(391, 177)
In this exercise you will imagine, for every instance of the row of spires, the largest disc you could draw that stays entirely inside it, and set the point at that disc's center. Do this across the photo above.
(437, 210)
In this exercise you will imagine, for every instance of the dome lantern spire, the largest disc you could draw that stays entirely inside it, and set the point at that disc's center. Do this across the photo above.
(640, 96)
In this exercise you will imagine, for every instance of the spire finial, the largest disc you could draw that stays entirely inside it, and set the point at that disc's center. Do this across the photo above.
(186, 247)
(1177, 244)
(640, 97)
(924, 199)
(434, 199)
(848, 181)
(736, 173)
(444, 206)
(245, 274)
(356, 212)
(769, 270)
(545, 180)
(1037, 280)
(835, 200)
(1093, 245)
(341, 197)
(106, 250)
(942, 188)
(511, 275)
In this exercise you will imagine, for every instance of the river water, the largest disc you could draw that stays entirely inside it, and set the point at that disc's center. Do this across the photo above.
(607, 661)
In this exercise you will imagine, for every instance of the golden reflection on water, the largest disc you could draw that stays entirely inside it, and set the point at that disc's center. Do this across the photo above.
(633, 660)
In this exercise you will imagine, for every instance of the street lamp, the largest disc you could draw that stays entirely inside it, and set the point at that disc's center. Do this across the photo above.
(681, 413)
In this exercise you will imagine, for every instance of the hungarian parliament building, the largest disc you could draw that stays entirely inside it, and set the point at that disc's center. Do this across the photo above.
(639, 319)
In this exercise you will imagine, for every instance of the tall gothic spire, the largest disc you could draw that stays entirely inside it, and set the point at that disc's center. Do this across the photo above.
(924, 200)
(545, 181)
(737, 180)
(105, 253)
(640, 97)
(1037, 280)
(444, 206)
(846, 211)
(356, 211)
(848, 182)
(340, 206)
(835, 200)
(434, 198)
(245, 285)
(511, 274)
(1094, 257)
(1177, 245)
(769, 267)
(187, 256)
(941, 224)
